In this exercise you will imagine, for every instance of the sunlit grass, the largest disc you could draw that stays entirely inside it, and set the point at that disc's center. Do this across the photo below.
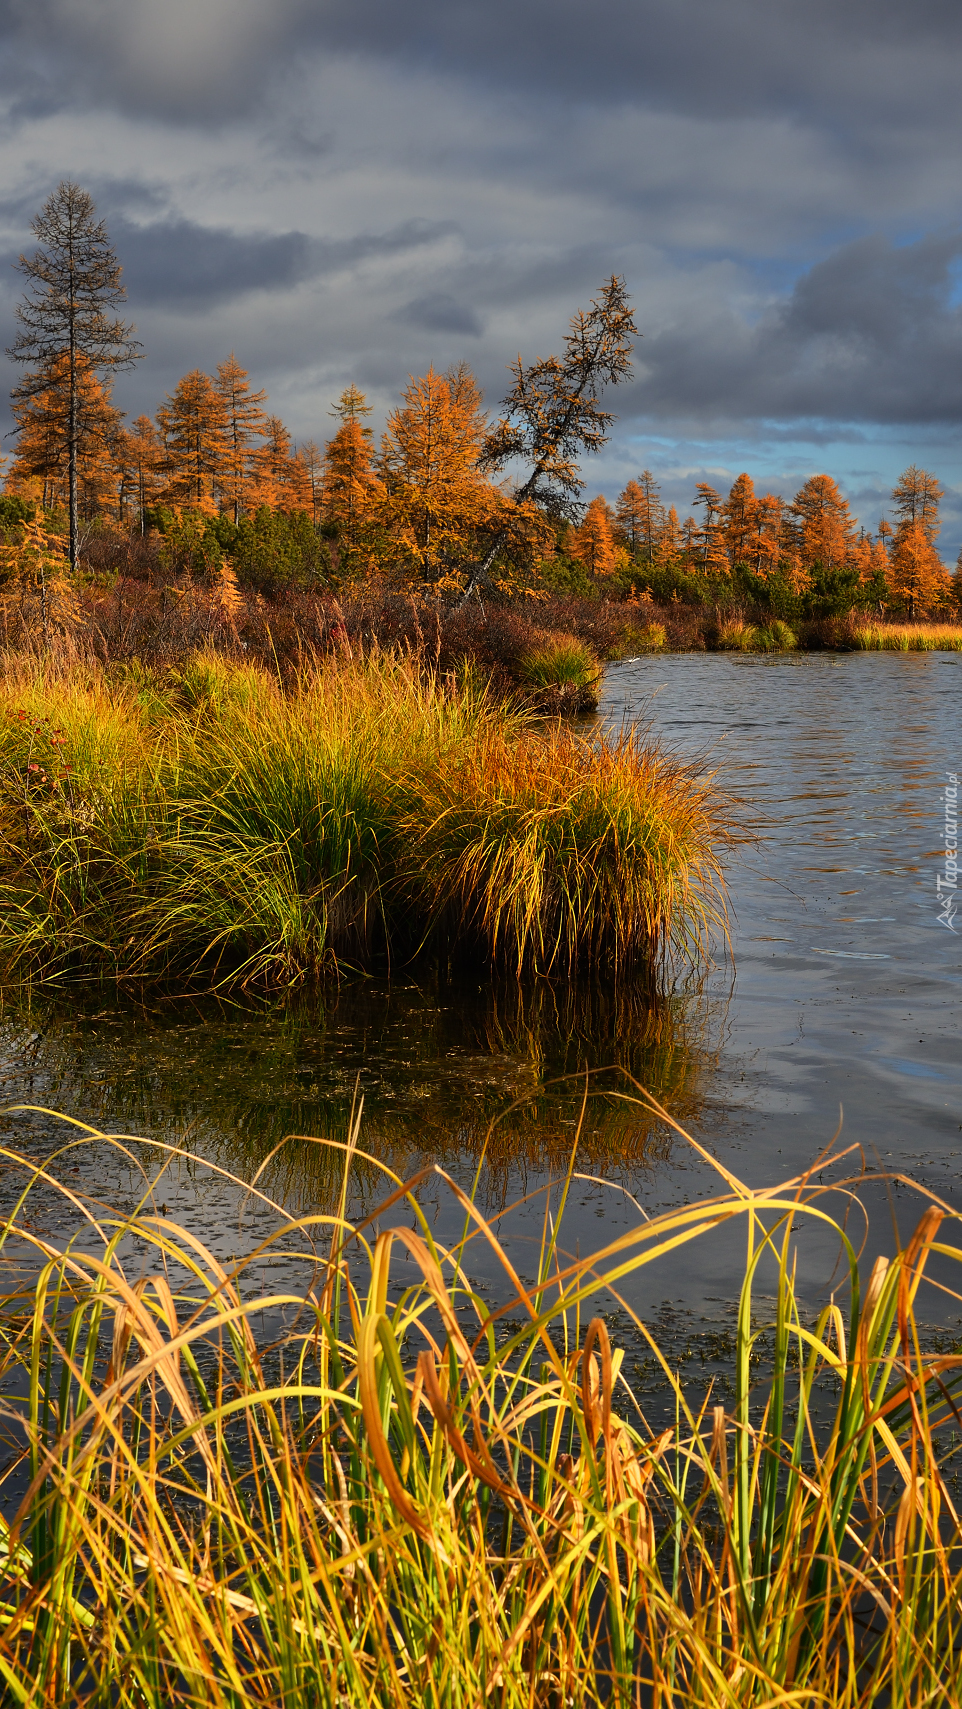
(411, 1498)
(908, 637)
(209, 824)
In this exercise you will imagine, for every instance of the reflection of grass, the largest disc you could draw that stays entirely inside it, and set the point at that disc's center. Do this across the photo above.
(436, 1064)
(208, 826)
(409, 1500)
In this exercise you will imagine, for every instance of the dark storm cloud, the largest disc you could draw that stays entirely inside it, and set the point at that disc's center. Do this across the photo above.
(699, 56)
(180, 265)
(870, 334)
(439, 311)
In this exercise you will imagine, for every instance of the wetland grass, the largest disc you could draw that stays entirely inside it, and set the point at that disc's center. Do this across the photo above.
(207, 824)
(411, 1499)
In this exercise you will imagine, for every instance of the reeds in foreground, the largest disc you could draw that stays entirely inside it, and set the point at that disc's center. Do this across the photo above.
(208, 825)
(412, 1499)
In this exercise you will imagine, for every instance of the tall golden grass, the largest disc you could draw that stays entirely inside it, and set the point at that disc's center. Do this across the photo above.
(410, 1498)
(908, 637)
(209, 824)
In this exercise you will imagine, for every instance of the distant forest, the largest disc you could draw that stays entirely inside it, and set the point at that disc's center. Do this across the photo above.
(218, 477)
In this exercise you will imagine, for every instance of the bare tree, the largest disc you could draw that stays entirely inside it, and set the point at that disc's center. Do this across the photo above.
(553, 414)
(73, 281)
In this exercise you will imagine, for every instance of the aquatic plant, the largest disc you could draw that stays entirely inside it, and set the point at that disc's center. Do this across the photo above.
(209, 824)
(412, 1497)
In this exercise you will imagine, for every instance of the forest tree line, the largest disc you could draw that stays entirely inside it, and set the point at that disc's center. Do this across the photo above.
(215, 476)
(219, 476)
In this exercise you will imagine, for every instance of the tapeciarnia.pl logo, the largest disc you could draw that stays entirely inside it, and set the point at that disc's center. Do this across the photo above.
(947, 883)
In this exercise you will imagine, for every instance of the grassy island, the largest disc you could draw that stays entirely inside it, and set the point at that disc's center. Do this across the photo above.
(210, 823)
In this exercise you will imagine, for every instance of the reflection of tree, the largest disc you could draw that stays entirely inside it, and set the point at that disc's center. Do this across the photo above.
(436, 1066)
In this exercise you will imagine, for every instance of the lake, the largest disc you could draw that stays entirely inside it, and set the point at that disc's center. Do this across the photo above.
(840, 999)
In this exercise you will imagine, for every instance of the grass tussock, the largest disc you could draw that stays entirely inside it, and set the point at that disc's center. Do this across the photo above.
(207, 823)
(908, 637)
(411, 1498)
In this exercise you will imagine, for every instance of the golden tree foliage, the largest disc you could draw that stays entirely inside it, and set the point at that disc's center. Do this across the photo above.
(42, 454)
(594, 542)
(35, 583)
(437, 502)
(352, 493)
(193, 422)
(823, 527)
(917, 576)
(244, 422)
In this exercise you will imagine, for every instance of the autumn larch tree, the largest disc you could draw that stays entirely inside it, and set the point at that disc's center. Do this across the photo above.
(350, 490)
(193, 423)
(43, 444)
(244, 422)
(824, 528)
(141, 466)
(917, 496)
(641, 514)
(312, 457)
(713, 559)
(437, 501)
(594, 544)
(553, 414)
(739, 521)
(73, 284)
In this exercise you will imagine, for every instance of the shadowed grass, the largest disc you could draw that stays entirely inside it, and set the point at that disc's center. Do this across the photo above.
(208, 825)
(410, 1498)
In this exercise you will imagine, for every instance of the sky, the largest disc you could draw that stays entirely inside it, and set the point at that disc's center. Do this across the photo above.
(352, 190)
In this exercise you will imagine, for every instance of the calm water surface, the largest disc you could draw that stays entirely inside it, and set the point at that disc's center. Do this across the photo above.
(842, 1000)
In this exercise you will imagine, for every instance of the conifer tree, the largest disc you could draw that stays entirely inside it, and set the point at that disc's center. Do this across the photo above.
(823, 527)
(593, 542)
(553, 414)
(312, 457)
(738, 519)
(193, 424)
(712, 556)
(917, 495)
(73, 282)
(43, 443)
(351, 491)
(437, 501)
(641, 514)
(244, 421)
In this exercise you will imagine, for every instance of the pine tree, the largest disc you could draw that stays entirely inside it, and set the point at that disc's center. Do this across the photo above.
(553, 414)
(65, 324)
(193, 424)
(244, 421)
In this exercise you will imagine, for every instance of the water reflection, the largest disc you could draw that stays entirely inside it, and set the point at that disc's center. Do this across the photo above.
(435, 1064)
